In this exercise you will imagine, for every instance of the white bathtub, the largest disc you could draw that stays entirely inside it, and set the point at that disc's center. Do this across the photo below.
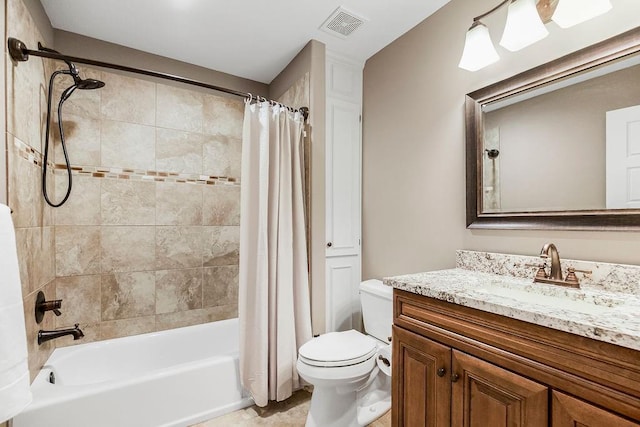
(174, 378)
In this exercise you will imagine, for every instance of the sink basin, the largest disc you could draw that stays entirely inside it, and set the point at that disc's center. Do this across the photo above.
(552, 296)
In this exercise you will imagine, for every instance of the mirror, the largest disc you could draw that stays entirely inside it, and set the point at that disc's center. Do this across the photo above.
(558, 146)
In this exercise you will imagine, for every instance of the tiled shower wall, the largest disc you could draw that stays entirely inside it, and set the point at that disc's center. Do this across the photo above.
(149, 237)
(33, 219)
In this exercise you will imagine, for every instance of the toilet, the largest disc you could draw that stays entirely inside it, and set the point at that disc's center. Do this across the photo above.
(351, 371)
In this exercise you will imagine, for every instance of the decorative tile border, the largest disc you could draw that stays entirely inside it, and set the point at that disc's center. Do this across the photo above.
(32, 155)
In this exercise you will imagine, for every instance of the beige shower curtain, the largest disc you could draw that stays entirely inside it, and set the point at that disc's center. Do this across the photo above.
(273, 302)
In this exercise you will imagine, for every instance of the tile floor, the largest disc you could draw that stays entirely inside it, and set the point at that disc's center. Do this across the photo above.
(290, 413)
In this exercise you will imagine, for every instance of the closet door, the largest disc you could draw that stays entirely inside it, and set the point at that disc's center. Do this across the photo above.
(343, 188)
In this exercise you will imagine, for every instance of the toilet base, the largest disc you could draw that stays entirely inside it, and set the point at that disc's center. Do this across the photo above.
(330, 409)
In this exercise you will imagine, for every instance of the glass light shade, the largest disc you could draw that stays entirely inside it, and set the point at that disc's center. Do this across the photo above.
(478, 49)
(572, 12)
(524, 26)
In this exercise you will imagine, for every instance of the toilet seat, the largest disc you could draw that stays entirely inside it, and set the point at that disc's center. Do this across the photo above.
(337, 349)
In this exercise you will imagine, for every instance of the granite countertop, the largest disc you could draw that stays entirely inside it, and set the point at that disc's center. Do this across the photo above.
(612, 317)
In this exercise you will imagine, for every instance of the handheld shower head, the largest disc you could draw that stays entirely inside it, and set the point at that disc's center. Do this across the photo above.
(89, 84)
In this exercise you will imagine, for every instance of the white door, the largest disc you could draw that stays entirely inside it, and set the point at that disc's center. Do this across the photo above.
(343, 280)
(343, 178)
(623, 158)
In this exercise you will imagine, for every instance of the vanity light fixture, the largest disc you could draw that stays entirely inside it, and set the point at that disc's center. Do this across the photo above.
(573, 12)
(524, 27)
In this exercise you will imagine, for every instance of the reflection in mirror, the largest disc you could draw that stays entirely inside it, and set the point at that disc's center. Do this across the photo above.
(556, 144)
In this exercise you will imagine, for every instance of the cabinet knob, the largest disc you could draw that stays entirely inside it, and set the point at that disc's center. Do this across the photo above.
(441, 372)
(329, 244)
(454, 378)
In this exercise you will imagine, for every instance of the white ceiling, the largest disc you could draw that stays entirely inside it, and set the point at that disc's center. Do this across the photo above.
(254, 39)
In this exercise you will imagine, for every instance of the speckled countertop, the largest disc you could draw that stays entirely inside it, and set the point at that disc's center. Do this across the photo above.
(593, 312)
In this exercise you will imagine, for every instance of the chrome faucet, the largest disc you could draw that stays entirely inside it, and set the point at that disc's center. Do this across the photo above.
(550, 250)
(44, 336)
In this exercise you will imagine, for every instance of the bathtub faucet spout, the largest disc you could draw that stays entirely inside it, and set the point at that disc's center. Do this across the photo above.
(44, 336)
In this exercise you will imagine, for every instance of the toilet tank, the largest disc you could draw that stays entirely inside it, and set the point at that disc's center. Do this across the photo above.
(377, 308)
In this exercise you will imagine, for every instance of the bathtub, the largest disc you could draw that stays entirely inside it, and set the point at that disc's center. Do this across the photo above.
(173, 378)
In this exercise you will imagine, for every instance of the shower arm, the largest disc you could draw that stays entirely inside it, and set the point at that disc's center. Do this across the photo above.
(20, 53)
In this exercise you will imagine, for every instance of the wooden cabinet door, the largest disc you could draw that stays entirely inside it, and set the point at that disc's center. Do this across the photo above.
(567, 411)
(486, 395)
(421, 381)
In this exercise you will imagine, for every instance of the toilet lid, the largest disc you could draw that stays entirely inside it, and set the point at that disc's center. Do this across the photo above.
(338, 349)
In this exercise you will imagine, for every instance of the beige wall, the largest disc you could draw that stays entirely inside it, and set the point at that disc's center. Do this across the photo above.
(311, 60)
(557, 141)
(413, 144)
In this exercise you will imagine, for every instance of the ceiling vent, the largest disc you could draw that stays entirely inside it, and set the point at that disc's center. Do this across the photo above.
(341, 23)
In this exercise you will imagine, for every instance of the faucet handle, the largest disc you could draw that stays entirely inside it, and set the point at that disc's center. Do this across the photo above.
(572, 278)
(541, 273)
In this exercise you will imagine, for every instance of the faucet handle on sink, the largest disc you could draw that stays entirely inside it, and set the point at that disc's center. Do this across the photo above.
(571, 275)
(542, 272)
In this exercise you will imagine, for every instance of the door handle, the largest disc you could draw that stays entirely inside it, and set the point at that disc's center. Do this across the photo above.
(441, 372)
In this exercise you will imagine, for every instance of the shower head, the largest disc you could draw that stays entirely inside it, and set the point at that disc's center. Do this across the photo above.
(89, 84)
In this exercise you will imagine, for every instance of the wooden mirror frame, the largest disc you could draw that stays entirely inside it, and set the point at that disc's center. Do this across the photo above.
(617, 47)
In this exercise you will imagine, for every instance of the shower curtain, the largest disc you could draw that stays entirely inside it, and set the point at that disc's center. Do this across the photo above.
(273, 301)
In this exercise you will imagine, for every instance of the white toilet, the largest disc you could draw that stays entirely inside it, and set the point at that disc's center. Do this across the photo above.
(350, 371)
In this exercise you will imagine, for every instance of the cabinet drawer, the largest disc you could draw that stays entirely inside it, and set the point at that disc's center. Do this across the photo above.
(567, 411)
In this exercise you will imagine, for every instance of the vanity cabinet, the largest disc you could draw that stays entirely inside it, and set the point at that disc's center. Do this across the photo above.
(458, 366)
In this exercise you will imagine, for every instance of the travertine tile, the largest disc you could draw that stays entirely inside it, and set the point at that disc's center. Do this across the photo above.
(126, 202)
(178, 247)
(83, 205)
(22, 110)
(128, 145)
(221, 245)
(221, 205)
(128, 99)
(127, 327)
(178, 290)
(41, 261)
(180, 319)
(222, 156)
(77, 250)
(38, 354)
(80, 297)
(178, 108)
(291, 413)
(179, 203)
(84, 103)
(22, 248)
(220, 286)
(223, 116)
(25, 193)
(126, 295)
(178, 151)
(129, 248)
(36, 257)
(82, 139)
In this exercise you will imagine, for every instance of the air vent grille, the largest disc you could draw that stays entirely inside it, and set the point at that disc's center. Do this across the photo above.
(341, 23)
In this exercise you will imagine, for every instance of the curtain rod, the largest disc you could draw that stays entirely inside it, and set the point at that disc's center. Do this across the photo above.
(19, 52)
